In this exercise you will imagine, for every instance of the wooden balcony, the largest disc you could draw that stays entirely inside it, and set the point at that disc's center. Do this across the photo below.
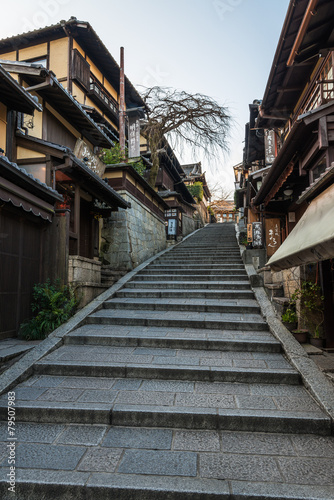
(322, 93)
(103, 100)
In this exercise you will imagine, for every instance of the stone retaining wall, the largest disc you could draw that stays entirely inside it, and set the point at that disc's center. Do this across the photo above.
(189, 225)
(131, 236)
(83, 270)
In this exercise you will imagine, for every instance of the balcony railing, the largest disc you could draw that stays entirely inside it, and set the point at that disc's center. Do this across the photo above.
(109, 103)
(322, 93)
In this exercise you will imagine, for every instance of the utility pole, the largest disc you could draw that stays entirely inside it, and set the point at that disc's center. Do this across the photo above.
(122, 105)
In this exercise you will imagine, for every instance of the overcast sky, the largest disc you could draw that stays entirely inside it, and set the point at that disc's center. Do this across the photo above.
(222, 48)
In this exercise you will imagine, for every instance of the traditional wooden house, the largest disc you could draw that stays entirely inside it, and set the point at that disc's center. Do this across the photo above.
(224, 211)
(170, 186)
(76, 81)
(290, 189)
(28, 219)
(193, 174)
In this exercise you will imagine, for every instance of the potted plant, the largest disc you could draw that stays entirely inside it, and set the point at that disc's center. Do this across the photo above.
(290, 318)
(311, 309)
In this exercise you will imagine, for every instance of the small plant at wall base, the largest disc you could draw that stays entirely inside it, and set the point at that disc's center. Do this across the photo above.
(289, 316)
(52, 305)
(311, 306)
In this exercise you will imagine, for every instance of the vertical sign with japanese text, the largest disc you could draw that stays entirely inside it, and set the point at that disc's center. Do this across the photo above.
(134, 136)
(269, 146)
(273, 235)
(257, 235)
(249, 233)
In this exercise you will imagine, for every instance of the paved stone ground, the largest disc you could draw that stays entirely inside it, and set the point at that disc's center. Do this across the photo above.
(175, 389)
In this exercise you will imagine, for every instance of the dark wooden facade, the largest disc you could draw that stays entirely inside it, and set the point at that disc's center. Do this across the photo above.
(294, 163)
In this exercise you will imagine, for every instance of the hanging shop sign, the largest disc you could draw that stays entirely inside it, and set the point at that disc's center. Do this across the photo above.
(273, 235)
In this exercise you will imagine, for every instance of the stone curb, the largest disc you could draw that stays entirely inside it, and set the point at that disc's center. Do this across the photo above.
(23, 368)
(313, 378)
(123, 487)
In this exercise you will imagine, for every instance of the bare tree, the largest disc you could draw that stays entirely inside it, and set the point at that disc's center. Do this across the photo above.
(193, 119)
(219, 193)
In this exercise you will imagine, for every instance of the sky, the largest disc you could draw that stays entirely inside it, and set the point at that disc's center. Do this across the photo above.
(221, 48)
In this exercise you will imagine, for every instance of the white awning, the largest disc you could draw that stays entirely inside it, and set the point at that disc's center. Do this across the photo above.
(312, 239)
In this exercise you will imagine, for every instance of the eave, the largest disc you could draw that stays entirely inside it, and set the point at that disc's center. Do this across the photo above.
(14, 96)
(88, 39)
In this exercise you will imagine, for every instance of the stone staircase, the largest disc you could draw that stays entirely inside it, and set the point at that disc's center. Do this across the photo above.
(174, 389)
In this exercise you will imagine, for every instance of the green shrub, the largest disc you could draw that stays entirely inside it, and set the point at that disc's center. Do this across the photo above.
(196, 190)
(114, 156)
(52, 305)
(289, 316)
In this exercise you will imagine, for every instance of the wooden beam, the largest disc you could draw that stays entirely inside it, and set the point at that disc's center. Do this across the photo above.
(302, 31)
(48, 83)
(310, 155)
(322, 133)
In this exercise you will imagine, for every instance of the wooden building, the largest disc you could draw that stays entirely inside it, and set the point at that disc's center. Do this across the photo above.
(193, 173)
(75, 81)
(28, 219)
(290, 160)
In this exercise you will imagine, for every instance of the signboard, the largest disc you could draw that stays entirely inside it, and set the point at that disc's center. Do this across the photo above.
(257, 235)
(273, 235)
(134, 136)
(249, 233)
(269, 147)
(83, 152)
(172, 227)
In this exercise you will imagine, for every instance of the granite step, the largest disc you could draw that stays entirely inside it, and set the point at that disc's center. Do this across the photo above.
(174, 338)
(190, 285)
(220, 321)
(195, 266)
(181, 362)
(145, 402)
(190, 278)
(160, 271)
(203, 294)
(208, 306)
(105, 462)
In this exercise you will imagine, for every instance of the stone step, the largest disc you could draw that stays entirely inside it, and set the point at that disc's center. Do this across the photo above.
(123, 463)
(167, 402)
(197, 261)
(161, 270)
(195, 266)
(180, 319)
(168, 372)
(175, 339)
(191, 293)
(174, 416)
(201, 256)
(185, 277)
(190, 285)
(210, 306)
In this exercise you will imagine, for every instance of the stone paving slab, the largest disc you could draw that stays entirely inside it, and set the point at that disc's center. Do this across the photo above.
(195, 293)
(174, 338)
(178, 284)
(199, 305)
(166, 356)
(179, 318)
(261, 465)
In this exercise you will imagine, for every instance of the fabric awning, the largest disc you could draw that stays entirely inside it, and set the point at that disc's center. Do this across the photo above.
(312, 240)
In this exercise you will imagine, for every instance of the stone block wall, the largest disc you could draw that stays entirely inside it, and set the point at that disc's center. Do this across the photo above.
(83, 270)
(291, 279)
(189, 225)
(131, 236)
